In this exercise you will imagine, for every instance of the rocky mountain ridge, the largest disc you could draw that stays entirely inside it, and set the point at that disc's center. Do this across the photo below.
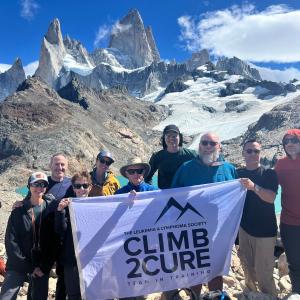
(36, 122)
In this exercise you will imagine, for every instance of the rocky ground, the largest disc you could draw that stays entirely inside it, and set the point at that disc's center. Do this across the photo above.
(234, 283)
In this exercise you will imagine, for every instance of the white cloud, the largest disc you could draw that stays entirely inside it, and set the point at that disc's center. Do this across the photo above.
(278, 75)
(28, 9)
(102, 34)
(31, 68)
(269, 35)
(105, 30)
(119, 28)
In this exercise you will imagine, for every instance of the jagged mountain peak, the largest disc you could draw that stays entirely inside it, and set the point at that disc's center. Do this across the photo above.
(130, 37)
(10, 79)
(54, 35)
(236, 66)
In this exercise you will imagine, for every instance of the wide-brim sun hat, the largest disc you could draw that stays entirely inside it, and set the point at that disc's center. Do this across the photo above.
(135, 161)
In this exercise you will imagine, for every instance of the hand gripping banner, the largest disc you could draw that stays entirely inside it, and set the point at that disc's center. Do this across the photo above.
(162, 240)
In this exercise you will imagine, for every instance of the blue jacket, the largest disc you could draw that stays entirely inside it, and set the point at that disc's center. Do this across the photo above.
(194, 172)
(142, 187)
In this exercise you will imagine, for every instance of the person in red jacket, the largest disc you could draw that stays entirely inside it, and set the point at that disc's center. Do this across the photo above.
(288, 172)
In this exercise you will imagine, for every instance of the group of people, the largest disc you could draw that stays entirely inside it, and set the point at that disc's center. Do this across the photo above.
(39, 234)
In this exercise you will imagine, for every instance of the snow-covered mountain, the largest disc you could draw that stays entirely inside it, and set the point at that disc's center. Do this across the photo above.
(224, 97)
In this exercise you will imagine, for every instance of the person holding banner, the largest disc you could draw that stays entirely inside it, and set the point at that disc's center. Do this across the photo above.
(258, 229)
(206, 168)
(135, 171)
(81, 183)
(288, 171)
(30, 242)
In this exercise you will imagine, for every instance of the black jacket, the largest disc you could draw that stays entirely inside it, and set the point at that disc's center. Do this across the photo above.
(63, 228)
(19, 238)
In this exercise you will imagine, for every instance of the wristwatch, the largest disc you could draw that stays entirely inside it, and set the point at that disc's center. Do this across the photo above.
(257, 188)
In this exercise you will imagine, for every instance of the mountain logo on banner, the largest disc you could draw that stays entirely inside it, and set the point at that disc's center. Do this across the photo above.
(173, 203)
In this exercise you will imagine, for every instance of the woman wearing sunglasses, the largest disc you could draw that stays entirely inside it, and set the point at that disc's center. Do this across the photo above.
(81, 183)
(135, 171)
(31, 242)
(288, 172)
(104, 182)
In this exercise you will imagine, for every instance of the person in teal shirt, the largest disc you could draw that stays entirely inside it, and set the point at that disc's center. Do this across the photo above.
(206, 168)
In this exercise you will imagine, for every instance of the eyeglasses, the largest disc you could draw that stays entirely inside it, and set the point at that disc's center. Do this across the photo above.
(292, 140)
(250, 151)
(133, 171)
(42, 184)
(107, 162)
(78, 186)
(211, 143)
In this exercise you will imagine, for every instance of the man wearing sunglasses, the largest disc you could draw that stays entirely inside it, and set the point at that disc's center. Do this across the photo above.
(258, 230)
(135, 171)
(206, 168)
(104, 182)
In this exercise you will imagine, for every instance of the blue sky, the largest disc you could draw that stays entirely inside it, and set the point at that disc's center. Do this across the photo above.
(264, 32)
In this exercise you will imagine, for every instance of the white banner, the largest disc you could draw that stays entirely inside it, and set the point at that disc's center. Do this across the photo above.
(166, 239)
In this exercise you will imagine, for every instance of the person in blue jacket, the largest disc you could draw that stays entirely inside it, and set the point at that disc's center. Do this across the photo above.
(135, 171)
(206, 168)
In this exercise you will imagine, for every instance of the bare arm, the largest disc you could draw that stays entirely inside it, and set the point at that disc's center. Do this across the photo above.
(265, 194)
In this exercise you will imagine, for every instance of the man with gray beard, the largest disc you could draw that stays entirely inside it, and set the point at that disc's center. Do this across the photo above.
(206, 168)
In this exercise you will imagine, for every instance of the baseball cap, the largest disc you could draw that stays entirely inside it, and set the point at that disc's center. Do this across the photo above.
(105, 153)
(37, 176)
(171, 127)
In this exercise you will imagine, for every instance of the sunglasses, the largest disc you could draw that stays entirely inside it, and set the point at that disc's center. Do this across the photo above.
(39, 184)
(133, 171)
(250, 151)
(107, 162)
(211, 143)
(78, 186)
(292, 140)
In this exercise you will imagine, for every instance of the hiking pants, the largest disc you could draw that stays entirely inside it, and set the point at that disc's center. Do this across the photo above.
(258, 261)
(290, 236)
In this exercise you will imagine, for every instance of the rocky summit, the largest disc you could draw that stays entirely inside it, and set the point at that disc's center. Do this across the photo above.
(10, 80)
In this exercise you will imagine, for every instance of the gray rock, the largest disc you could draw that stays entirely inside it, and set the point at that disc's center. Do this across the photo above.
(176, 86)
(232, 105)
(130, 38)
(235, 66)
(152, 44)
(198, 59)
(52, 55)
(76, 49)
(238, 87)
(137, 83)
(209, 109)
(11, 79)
